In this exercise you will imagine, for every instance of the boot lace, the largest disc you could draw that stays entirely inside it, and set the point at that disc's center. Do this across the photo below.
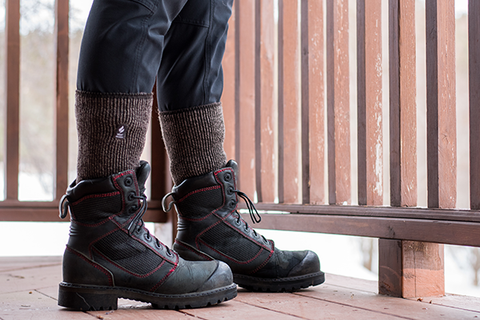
(254, 215)
(137, 223)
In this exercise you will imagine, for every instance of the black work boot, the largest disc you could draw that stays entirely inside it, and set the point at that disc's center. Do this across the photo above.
(209, 227)
(111, 255)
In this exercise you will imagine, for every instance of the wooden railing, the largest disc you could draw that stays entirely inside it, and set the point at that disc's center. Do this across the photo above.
(287, 112)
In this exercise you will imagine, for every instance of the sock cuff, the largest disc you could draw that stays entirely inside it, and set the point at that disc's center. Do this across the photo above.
(111, 131)
(194, 140)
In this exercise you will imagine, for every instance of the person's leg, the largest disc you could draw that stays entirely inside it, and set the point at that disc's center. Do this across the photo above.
(110, 253)
(189, 89)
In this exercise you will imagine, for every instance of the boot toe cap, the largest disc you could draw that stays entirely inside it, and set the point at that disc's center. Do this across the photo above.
(220, 278)
(309, 264)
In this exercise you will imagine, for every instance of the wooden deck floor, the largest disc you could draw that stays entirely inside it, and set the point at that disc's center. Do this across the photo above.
(28, 290)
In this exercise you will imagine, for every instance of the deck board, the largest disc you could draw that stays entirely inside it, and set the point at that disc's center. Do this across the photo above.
(29, 286)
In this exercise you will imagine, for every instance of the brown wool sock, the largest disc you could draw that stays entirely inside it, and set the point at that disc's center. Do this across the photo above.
(194, 140)
(111, 132)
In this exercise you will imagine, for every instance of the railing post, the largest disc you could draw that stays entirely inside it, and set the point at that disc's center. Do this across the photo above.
(420, 270)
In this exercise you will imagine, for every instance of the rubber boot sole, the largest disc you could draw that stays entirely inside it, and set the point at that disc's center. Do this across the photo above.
(288, 284)
(94, 298)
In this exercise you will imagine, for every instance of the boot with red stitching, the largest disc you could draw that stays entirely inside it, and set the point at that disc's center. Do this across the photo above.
(209, 227)
(110, 254)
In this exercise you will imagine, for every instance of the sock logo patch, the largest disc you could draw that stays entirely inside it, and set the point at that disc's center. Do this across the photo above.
(120, 132)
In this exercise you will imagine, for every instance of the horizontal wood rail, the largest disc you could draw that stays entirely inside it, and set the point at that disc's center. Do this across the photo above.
(289, 123)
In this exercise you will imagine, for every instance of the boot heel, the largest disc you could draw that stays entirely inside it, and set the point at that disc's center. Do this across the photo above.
(85, 299)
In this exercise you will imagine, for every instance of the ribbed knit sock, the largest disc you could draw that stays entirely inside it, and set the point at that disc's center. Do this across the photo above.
(194, 140)
(111, 132)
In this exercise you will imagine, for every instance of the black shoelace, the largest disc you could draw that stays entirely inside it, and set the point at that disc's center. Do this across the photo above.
(137, 222)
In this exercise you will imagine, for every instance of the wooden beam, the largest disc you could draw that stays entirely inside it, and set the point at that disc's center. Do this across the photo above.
(424, 230)
(338, 102)
(61, 110)
(370, 119)
(12, 90)
(265, 111)
(474, 84)
(245, 28)
(313, 102)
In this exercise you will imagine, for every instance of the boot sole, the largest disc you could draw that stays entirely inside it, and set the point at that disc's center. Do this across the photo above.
(94, 298)
(288, 284)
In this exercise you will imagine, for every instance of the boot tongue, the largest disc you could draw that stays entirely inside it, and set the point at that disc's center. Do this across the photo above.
(143, 171)
(232, 164)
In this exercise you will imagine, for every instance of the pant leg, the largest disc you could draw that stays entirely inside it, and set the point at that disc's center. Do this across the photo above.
(190, 72)
(123, 43)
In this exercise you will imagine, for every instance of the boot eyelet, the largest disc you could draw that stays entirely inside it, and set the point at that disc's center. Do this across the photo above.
(128, 181)
(233, 203)
(230, 190)
(131, 196)
(227, 176)
(133, 208)
(147, 237)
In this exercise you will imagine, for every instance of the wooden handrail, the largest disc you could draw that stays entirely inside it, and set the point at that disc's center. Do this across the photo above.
(287, 113)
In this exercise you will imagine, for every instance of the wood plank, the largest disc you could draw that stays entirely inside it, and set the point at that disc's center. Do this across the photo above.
(18, 263)
(235, 309)
(265, 118)
(306, 305)
(31, 304)
(12, 119)
(154, 214)
(403, 164)
(291, 103)
(370, 136)
(338, 102)
(423, 269)
(441, 112)
(390, 280)
(246, 98)
(229, 85)
(313, 82)
(380, 212)
(61, 110)
(461, 233)
(383, 306)
(474, 99)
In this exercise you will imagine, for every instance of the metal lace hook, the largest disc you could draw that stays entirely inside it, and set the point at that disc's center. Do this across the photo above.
(170, 204)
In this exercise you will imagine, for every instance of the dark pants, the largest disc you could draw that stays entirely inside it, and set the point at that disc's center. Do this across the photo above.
(128, 43)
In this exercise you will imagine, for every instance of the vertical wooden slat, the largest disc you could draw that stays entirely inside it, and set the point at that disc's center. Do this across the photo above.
(474, 84)
(61, 114)
(291, 106)
(228, 96)
(370, 137)
(305, 113)
(441, 113)
(403, 163)
(338, 102)
(280, 102)
(12, 91)
(246, 98)
(361, 104)
(314, 96)
(264, 100)
(394, 88)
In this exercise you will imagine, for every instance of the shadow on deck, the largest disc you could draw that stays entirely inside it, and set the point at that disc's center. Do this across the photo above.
(28, 290)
